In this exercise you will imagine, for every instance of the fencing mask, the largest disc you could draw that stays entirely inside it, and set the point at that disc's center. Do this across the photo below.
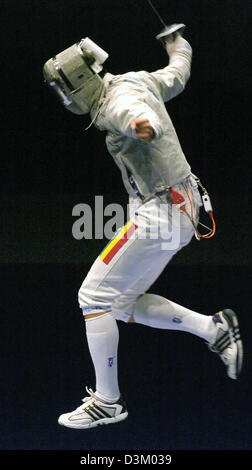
(73, 75)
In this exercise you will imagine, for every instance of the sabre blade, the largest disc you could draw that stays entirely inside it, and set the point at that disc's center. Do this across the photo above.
(156, 13)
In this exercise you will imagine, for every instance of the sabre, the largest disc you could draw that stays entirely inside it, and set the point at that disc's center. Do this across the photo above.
(168, 30)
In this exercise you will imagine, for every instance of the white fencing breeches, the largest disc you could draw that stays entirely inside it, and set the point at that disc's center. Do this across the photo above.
(138, 253)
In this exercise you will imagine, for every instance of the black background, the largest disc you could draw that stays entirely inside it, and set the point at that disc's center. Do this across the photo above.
(177, 393)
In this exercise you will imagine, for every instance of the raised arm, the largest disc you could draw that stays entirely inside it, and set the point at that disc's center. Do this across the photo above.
(172, 79)
(130, 114)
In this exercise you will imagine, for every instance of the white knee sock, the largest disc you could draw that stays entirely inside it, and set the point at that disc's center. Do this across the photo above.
(158, 312)
(103, 337)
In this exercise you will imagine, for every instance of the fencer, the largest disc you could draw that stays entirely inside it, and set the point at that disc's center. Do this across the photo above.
(140, 136)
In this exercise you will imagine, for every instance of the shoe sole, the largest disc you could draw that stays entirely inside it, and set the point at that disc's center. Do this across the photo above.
(231, 318)
(94, 424)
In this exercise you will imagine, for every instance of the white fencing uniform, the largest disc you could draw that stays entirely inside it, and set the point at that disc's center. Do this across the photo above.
(133, 259)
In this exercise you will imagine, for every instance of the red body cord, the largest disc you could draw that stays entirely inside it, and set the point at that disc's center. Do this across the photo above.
(178, 198)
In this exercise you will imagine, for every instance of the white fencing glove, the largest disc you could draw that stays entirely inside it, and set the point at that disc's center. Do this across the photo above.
(174, 45)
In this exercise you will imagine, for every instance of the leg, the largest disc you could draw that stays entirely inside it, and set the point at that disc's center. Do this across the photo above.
(103, 337)
(109, 292)
(158, 312)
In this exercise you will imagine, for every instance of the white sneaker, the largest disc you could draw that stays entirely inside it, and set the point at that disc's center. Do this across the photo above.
(94, 412)
(227, 341)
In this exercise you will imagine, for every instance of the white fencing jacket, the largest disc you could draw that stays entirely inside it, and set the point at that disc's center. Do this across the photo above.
(146, 167)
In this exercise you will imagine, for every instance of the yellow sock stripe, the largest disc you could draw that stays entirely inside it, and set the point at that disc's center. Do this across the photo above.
(115, 240)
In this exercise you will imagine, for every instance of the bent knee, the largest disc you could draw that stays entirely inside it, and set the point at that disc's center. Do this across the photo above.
(123, 311)
(92, 302)
(91, 305)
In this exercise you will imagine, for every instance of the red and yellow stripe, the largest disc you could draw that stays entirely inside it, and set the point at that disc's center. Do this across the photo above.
(117, 242)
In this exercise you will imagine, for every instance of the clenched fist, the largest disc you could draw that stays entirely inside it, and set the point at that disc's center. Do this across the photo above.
(143, 129)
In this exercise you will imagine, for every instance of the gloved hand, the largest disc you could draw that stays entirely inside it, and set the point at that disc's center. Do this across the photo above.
(171, 38)
(143, 129)
(173, 45)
